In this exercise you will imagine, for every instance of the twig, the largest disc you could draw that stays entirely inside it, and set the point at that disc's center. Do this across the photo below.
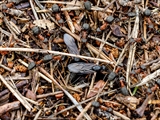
(145, 37)
(94, 8)
(121, 55)
(31, 101)
(149, 77)
(24, 114)
(18, 85)
(6, 68)
(109, 5)
(18, 77)
(141, 109)
(16, 94)
(40, 74)
(51, 64)
(9, 34)
(73, 106)
(54, 52)
(37, 115)
(13, 113)
(95, 50)
(84, 111)
(9, 106)
(95, 38)
(69, 21)
(132, 47)
(94, 75)
(60, 2)
(149, 37)
(120, 115)
(33, 10)
(79, 107)
(48, 94)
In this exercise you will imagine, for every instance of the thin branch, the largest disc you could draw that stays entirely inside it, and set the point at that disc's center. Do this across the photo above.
(54, 52)
(16, 94)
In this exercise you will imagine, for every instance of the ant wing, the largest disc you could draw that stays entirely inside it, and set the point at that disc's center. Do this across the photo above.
(71, 45)
(83, 68)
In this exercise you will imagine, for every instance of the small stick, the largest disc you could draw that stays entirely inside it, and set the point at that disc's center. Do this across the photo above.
(5, 67)
(100, 50)
(84, 111)
(18, 115)
(149, 37)
(40, 74)
(149, 77)
(141, 109)
(157, 111)
(132, 47)
(48, 94)
(98, 2)
(60, 2)
(18, 77)
(95, 50)
(13, 113)
(94, 75)
(51, 63)
(151, 62)
(18, 85)
(33, 10)
(5, 32)
(145, 37)
(9, 34)
(94, 8)
(121, 55)
(120, 115)
(69, 21)
(16, 94)
(98, 39)
(24, 114)
(81, 86)
(79, 107)
(9, 106)
(54, 52)
(37, 115)
(81, 16)
(89, 99)
(109, 5)
(31, 101)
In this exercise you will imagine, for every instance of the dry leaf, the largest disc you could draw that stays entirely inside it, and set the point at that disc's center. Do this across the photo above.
(158, 49)
(99, 85)
(2, 71)
(20, 68)
(123, 31)
(129, 101)
(10, 64)
(59, 96)
(30, 95)
(77, 27)
(44, 23)
(58, 40)
(156, 39)
(117, 31)
(115, 52)
(40, 90)
(61, 107)
(76, 96)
